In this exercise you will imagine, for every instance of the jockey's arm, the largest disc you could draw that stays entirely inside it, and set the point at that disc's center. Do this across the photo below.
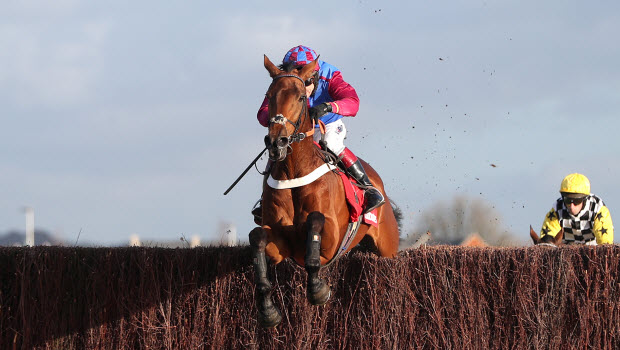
(345, 98)
(263, 113)
(551, 225)
(603, 228)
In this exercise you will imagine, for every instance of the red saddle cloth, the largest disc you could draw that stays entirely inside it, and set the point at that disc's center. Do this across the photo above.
(355, 199)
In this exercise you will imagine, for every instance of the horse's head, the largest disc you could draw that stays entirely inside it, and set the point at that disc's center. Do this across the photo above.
(288, 110)
(547, 240)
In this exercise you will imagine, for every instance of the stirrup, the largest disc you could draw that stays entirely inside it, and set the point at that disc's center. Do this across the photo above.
(377, 194)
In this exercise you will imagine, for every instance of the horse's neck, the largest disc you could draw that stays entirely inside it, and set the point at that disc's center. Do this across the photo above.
(300, 162)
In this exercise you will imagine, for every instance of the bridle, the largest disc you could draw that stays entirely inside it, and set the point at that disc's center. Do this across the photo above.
(282, 120)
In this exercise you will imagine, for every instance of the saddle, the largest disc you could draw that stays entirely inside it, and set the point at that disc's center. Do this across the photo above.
(355, 199)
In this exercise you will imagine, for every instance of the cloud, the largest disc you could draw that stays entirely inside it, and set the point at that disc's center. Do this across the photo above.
(153, 105)
(34, 8)
(50, 64)
(245, 37)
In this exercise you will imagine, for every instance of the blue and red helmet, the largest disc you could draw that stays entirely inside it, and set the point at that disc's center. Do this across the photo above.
(301, 55)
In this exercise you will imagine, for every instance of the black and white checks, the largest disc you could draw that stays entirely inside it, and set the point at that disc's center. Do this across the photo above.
(578, 228)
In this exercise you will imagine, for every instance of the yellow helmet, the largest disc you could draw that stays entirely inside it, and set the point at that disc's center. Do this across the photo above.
(575, 183)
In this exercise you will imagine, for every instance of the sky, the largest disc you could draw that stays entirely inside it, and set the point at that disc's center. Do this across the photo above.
(132, 118)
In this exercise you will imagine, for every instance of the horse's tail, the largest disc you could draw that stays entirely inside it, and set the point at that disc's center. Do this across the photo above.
(398, 215)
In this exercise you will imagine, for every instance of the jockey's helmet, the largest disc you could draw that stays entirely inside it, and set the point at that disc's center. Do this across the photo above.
(575, 183)
(301, 55)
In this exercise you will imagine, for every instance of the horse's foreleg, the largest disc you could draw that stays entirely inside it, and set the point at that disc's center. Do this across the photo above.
(317, 291)
(268, 314)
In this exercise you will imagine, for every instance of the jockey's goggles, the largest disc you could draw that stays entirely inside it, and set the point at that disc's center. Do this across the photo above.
(575, 201)
(309, 82)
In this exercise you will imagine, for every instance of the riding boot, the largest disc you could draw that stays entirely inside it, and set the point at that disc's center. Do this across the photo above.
(257, 209)
(372, 197)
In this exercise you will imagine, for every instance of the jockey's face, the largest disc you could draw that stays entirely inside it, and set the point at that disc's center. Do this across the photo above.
(309, 89)
(574, 209)
(574, 205)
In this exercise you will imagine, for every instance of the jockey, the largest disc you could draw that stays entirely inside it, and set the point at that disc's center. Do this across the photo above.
(330, 98)
(583, 215)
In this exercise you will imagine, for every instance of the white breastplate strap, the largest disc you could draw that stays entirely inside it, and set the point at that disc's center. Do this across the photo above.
(300, 181)
(592, 242)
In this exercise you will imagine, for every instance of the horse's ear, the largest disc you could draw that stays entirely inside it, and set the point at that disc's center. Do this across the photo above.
(308, 69)
(271, 68)
(534, 235)
(557, 240)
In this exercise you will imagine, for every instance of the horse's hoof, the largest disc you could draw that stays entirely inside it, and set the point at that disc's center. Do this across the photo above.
(269, 318)
(320, 296)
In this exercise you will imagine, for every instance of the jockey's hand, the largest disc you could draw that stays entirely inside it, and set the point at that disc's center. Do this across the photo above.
(318, 111)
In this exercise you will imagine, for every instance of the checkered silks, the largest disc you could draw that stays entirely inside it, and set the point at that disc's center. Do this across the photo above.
(578, 228)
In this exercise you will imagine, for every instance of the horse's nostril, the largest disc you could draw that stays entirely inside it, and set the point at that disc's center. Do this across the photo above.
(282, 141)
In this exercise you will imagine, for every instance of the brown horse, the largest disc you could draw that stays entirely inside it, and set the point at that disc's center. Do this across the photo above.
(306, 223)
(547, 240)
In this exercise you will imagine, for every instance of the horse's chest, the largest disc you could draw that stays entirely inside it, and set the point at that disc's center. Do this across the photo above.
(288, 209)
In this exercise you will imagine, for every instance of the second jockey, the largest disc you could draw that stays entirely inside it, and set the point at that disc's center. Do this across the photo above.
(583, 215)
(330, 98)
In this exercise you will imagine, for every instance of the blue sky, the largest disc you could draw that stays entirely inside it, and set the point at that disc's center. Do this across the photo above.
(122, 119)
